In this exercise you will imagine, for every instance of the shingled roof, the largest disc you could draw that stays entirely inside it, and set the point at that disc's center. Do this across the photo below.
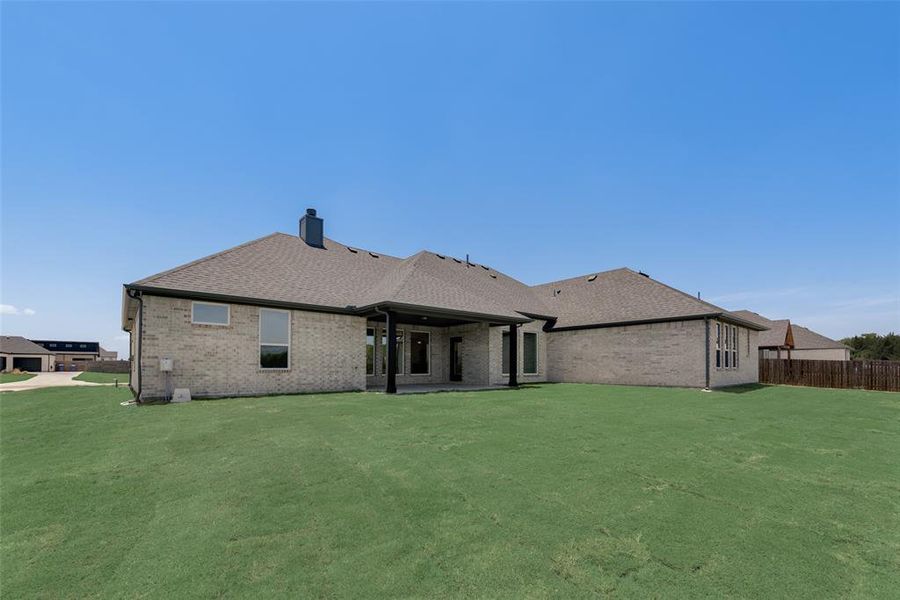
(14, 344)
(806, 339)
(623, 296)
(779, 333)
(282, 269)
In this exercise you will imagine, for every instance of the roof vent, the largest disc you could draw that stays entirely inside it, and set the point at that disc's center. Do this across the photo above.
(592, 277)
(494, 276)
(485, 268)
(457, 261)
(373, 255)
(440, 256)
(312, 229)
(642, 273)
(353, 250)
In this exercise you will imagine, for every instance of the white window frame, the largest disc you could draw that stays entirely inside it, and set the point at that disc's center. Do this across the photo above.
(726, 364)
(401, 349)
(537, 354)
(409, 341)
(374, 350)
(227, 313)
(502, 366)
(735, 347)
(719, 362)
(261, 344)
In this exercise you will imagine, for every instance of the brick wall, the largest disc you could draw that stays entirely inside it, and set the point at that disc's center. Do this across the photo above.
(747, 370)
(496, 358)
(664, 354)
(327, 352)
(475, 352)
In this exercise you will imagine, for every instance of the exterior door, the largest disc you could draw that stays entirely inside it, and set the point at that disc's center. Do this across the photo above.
(456, 359)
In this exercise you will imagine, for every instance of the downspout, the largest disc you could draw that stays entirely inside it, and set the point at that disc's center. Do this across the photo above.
(135, 295)
(706, 323)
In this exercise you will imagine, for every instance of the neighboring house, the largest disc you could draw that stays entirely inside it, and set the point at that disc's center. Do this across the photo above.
(814, 346)
(18, 353)
(777, 341)
(288, 314)
(788, 340)
(108, 354)
(70, 355)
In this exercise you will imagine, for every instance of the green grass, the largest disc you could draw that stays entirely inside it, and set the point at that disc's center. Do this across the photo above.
(104, 377)
(13, 377)
(553, 491)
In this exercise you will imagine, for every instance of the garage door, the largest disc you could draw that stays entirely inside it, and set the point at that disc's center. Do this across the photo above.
(26, 364)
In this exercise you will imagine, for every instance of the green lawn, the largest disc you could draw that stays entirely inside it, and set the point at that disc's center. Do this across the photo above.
(13, 377)
(104, 377)
(558, 490)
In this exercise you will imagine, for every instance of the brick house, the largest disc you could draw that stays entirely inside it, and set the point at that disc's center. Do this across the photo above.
(784, 339)
(303, 313)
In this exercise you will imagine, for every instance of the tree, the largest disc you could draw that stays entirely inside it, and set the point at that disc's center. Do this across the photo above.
(871, 346)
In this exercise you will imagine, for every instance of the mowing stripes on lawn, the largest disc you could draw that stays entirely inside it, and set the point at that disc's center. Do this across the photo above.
(553, 490)
(93, 377)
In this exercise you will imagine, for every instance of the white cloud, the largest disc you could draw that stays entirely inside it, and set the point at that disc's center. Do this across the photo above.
(9, 309)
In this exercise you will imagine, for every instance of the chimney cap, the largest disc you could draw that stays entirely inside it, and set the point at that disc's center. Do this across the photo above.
(311, 212)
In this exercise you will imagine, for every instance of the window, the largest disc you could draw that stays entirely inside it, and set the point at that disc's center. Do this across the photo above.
(370, 350)
(727, 347)
(504, 354)
(530, 366)
(206, 313)
(399, 352)
(727, 342)
(274, 338)
(734, 347)
(419, 354)
(718, 345)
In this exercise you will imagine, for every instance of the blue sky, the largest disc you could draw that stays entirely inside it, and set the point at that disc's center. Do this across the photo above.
(750, 152)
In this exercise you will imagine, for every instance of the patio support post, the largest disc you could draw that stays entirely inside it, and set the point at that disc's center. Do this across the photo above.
(391, 387)
(513, 355)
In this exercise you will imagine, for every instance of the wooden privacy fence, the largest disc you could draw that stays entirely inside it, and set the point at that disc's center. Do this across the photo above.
(883, 375)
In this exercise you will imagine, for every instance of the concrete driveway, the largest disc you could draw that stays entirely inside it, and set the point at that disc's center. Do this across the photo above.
(48, 379)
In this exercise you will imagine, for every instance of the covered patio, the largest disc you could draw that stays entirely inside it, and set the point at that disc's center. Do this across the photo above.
(415, 349)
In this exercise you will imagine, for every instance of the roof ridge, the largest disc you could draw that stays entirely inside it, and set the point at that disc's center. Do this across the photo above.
(581, 276)
(205, 258)
(405, 264)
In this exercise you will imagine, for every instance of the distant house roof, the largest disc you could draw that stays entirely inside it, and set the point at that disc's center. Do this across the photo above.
(623, 296)
(282, 269)
(779, 333)
(784, 333)
(14, 344)
(806, 339)
(69, 346)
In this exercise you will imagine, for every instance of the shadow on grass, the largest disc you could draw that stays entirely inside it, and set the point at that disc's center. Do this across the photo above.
(742, 389)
